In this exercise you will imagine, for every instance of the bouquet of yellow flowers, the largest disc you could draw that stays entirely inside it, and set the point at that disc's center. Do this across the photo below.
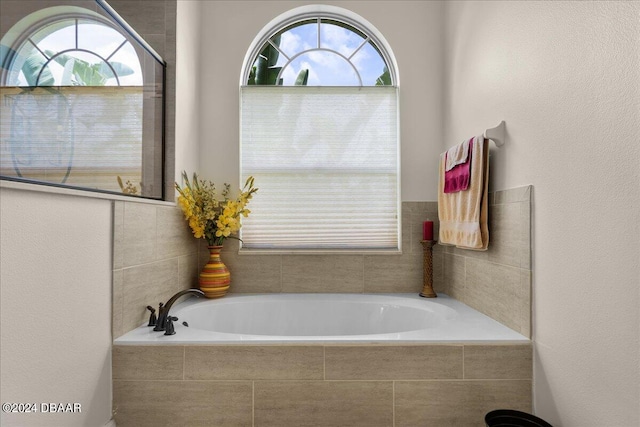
(210, 218)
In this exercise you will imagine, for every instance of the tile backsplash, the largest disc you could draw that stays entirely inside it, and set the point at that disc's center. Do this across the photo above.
(497, 282)
(348, 273)
(155, 255)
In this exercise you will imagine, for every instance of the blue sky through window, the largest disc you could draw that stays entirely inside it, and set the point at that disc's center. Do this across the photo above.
(334, 58)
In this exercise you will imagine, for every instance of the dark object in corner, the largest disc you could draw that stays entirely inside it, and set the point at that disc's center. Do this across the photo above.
(512, 418)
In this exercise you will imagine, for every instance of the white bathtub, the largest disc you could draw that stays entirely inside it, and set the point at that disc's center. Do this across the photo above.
(325, 318)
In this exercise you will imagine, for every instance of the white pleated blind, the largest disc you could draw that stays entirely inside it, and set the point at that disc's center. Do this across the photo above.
(91, 133)
(326, 162)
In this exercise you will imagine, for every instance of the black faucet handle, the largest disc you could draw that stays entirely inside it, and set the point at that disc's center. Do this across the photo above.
(162, 318)
(169, 328)
(152, 317)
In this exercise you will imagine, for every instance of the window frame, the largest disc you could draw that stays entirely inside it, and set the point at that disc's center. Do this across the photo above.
(312, 12)
(288, 20)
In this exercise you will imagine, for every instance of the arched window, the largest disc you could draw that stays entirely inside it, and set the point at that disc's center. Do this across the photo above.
(320, 51)
(73, 86)
(319, 132)
(73, 50)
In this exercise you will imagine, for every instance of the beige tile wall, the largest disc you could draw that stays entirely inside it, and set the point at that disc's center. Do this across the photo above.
(319, 385)
(497, 282)
(339, 273)
(154, 256)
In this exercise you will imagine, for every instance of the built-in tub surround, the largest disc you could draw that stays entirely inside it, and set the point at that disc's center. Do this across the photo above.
(497, 282)
(155, 255)
(369, 383)
(340, 374)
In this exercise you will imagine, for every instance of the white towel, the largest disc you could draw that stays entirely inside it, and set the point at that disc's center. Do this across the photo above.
(457, 155)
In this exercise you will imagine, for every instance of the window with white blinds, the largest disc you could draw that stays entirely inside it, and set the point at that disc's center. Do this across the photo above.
(82, 104)
(326, 160)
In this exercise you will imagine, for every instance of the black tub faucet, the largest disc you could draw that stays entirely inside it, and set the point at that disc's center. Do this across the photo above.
(163, 312)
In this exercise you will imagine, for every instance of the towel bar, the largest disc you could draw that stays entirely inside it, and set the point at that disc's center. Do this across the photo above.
(496, 134)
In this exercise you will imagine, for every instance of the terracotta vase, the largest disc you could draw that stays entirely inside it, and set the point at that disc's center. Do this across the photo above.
(214, 278)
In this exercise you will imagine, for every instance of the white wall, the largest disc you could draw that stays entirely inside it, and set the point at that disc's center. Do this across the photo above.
(188, 48)
(413, 29)
(565, 76)
(55, 306)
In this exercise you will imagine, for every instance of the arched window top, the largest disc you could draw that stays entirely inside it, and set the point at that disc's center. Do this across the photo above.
(73, 49)
(319, 46)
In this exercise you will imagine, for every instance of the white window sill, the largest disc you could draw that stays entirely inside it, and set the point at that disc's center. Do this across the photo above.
(242, 251)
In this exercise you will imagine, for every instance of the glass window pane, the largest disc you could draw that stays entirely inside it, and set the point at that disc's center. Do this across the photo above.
(369, 63)
(79, 68)
(98, 38)
(298, 38)
(26, 66)
(57, 37)
(50, 75)
(344, 57)
(264, 70)
(325, 69)
(337, 36)
(127, 66)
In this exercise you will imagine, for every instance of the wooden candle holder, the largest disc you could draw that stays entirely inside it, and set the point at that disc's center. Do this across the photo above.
(427, 265)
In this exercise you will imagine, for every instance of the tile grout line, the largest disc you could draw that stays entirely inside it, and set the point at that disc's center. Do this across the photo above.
(281, 274)
(393, 403)
(324, 362)
(253, 403)
(463, 372)
(184, 360)
(364, 284)
(329, 381)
